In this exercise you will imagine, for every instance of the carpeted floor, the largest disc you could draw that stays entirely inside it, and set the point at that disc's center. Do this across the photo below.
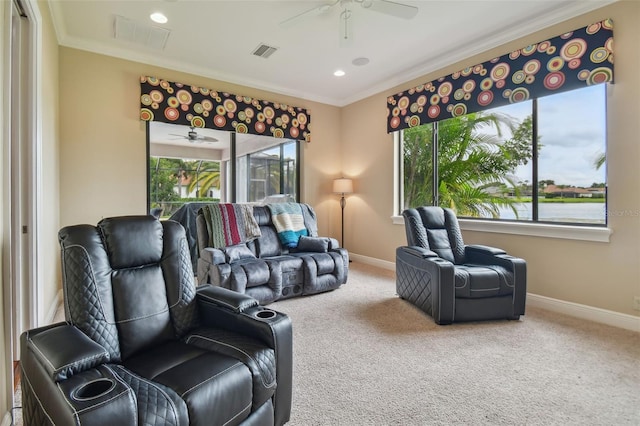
(362, 356)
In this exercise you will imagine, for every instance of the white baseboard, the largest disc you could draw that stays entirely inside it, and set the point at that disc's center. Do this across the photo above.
(603, 316)
(391, 266)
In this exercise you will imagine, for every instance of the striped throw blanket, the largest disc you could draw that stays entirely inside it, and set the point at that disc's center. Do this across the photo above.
(289, 222)
(230, 224)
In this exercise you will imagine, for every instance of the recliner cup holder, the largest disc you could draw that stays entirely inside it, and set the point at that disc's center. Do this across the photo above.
(265, 314)
(93, 389)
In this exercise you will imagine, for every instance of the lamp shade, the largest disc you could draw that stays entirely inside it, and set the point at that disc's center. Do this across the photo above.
(343, 186)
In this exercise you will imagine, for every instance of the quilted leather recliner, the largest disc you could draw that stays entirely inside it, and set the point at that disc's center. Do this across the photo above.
(452, 281)
(141, 345)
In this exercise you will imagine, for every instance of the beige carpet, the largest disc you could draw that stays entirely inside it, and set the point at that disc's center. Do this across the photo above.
(363, 356)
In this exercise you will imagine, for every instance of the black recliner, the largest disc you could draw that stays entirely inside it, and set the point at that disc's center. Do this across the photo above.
(452, 281)
(142, 345)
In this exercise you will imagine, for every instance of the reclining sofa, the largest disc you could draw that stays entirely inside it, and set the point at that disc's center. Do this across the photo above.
(266, 269)
(142, 346)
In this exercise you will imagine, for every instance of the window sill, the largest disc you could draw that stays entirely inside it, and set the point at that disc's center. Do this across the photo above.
(567, 232)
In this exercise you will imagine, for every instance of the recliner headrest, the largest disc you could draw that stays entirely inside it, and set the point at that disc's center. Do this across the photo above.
(132, 241)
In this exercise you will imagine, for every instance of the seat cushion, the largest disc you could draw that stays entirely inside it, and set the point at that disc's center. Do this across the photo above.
(260, 359)
(324, 262)
(479, 281)
(250, 272)
(216, 388)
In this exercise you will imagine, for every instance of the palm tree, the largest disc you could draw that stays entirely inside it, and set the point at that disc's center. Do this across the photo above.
(600, 160)
(207, 176)
(472, 158)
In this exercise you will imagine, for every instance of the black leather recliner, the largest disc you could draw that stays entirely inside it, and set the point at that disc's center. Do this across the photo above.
(452, 281)
(142, 345)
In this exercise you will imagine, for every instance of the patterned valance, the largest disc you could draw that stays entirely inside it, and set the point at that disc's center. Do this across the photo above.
(169, 102)
(569, 61)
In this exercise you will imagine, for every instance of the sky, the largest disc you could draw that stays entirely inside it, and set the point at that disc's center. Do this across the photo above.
(572, 131)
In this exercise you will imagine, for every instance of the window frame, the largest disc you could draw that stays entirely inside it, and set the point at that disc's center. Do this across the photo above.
(532, 227)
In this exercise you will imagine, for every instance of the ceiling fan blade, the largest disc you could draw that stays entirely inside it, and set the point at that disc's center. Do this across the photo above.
(392, 8)
(180, 136)
(207, 139)
(318, 10)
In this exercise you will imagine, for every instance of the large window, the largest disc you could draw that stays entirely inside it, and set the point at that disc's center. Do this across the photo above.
(540, 160)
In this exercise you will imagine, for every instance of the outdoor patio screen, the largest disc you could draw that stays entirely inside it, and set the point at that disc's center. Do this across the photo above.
(178, 103)
(570, 61)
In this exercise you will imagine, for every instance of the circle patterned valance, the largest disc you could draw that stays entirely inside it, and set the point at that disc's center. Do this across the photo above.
(162, 100)
(569, 61)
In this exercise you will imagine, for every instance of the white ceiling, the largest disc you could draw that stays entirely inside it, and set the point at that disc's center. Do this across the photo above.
(215, 39)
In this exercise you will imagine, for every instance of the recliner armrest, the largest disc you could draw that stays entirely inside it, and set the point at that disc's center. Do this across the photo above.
(63, 350)
(485, 250)
(418, 251)
(226, 309)
(228, 299)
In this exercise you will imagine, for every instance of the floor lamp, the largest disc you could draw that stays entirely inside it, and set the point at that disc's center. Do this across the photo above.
(342, 186)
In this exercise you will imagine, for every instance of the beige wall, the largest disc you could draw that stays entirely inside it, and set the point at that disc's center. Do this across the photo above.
(603, 275)
(103, 148)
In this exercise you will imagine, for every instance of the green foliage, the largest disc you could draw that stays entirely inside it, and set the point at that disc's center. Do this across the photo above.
(164, 174)
(206, 177)
(475, 163)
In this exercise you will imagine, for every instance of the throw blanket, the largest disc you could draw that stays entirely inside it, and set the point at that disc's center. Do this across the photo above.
(289, 222)
(230, 224)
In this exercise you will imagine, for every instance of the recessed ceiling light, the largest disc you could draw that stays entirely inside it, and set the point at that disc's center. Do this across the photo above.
(360, 61)
(158, 18)
(339, 73)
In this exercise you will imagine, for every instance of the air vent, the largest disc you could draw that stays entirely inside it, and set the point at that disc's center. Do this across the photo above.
(264, 51)
(140, 34)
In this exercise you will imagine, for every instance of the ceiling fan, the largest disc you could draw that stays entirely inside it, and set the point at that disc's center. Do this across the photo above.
(193, 137)
(399, 10)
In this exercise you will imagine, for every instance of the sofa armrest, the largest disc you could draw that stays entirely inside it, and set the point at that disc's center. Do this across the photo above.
(213, 255)
(333, 244)
(63, 350)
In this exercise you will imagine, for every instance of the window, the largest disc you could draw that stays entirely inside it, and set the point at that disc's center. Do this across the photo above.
(194, 166)
(540, 160)
(174, 181)
(268, 174)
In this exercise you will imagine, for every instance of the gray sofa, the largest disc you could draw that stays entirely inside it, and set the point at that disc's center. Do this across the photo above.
(266, 270)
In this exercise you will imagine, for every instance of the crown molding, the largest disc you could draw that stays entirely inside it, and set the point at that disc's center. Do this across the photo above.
(517, 30)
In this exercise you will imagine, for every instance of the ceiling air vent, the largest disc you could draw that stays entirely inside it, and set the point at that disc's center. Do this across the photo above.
(264, 51)
(140, 34)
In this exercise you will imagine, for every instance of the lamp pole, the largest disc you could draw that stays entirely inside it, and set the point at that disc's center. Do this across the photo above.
(343, 203)
(342, 186)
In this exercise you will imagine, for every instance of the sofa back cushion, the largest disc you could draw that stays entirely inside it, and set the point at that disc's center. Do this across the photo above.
(268, 244)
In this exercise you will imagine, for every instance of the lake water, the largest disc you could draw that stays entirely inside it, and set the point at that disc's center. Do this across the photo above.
(560, 212)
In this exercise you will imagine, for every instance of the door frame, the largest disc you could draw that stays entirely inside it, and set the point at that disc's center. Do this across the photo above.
(22, 300)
